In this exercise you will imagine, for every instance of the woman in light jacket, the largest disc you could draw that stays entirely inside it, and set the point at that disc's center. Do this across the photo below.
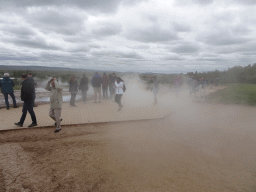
(119, 86)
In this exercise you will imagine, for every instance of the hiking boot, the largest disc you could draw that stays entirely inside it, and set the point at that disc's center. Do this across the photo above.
(32, 125)
(57, 130)
(16, 106)
(18, 124)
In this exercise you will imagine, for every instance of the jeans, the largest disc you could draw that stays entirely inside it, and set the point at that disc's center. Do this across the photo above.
(28, 107)
(73, 98)
(6, 100)
(105, 92)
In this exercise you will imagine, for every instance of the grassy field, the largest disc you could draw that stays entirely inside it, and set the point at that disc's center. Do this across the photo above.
(244, 94)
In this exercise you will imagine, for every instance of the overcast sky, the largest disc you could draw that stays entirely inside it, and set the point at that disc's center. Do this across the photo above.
(129, 35)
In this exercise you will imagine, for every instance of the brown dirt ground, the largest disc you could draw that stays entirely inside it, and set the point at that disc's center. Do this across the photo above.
(199, 147)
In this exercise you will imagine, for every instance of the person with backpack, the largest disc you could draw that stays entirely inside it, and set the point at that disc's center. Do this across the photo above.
(96, 84)
(119, 90)
(7, 85)
(73, 89)
(105, 83)
(84, 87)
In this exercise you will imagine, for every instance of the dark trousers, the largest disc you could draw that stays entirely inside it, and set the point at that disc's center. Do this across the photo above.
(6, 99)
(111, 91)
(105, 92)
(118, 98)
(73, 98)
(34, 98)
(84, 94)
(28, 107)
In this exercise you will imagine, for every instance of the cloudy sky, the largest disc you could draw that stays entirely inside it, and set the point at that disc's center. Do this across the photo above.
(129, 35)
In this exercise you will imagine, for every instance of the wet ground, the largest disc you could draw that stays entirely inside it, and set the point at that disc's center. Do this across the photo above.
(199, 147)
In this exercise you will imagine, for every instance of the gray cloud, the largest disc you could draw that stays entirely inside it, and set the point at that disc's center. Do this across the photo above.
(185, 49)
(152, 34)
(200, 2)
(117, 54)
(107, 29)
(128, 34)
(96, 5)
(52, 20)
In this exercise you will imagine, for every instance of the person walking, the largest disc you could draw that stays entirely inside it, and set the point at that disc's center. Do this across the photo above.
(73, 89)
(105, 82)
(96, 84)
(7, 85)
(55, 102)
(84, 87)
(27, 97)
(119, 86)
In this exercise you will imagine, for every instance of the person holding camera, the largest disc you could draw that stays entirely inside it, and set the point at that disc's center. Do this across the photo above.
(55, 101)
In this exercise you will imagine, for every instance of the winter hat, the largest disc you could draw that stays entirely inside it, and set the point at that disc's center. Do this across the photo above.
(6, 74)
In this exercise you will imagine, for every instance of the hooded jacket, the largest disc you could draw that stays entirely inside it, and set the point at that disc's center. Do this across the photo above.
(55, 95)
(7, 85)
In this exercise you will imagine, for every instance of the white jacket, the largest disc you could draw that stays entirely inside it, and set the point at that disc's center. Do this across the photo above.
(119, 87)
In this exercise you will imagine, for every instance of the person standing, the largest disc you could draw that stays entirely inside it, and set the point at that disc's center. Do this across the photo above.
(110, 86)
(55, 101)
(155, 88)
(30, 77)
(96, 84)
(27, 97)
(105, 82)
(7, 85)
(84, 87)
(73, 89)
(119, 86)
(112, 80)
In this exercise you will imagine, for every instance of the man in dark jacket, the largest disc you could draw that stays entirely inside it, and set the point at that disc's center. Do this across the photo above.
(96, 84)
(27, 91)
(84, 87)
(7, 85)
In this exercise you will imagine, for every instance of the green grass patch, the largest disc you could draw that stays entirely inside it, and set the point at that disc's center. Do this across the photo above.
(244, 94)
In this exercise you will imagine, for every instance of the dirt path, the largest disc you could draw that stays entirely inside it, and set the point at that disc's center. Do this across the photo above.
(199, 147)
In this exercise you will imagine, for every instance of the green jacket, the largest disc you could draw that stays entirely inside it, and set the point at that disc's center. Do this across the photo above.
(55, 95)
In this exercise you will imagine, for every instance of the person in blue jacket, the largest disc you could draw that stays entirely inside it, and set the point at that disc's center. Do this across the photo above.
(7, 89)
(96, 84)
